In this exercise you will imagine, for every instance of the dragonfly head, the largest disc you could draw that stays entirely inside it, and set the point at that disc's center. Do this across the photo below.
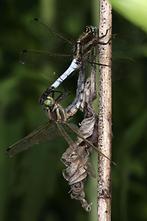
(49, 102)
(45, 94)
(91, 29)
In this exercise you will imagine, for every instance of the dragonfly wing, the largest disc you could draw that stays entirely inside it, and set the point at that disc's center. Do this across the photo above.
(65, 135)
(75, 129)
(47, 131)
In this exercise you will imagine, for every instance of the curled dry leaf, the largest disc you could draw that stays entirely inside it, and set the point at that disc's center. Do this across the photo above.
(76, 157)
(76, 160)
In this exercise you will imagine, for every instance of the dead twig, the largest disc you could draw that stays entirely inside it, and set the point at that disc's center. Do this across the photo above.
(105, 114)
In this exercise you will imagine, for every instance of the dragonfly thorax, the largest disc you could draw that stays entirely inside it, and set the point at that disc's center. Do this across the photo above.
(85, 43)
(55, 111)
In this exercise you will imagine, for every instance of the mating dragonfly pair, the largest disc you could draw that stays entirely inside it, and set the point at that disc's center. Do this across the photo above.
(56, 113)
(58, 117)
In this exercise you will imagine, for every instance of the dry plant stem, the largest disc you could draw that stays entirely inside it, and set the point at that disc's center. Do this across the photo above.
(105, 114)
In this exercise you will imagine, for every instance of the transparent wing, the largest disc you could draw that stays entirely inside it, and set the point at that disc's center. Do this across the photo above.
(75, 129)
(47, 131)
(65, 135)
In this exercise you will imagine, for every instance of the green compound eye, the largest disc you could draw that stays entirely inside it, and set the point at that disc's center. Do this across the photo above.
(49, 102)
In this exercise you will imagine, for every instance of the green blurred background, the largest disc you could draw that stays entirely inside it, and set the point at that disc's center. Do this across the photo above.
(31, 185)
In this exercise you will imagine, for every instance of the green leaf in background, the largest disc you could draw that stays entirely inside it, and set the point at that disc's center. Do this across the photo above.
(134, 10)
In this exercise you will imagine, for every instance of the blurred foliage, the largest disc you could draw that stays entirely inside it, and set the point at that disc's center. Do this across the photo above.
(133, 10)
(32, 187)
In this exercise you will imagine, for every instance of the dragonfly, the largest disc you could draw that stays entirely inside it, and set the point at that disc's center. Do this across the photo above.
(83, 47)
(57, 125)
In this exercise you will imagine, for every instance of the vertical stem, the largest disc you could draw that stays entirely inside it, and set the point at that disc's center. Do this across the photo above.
(105, 114)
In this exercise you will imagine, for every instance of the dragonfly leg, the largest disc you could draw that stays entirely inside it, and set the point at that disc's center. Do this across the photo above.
(92, 62)
(105, 43)
(105, 33)
(61, 96)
